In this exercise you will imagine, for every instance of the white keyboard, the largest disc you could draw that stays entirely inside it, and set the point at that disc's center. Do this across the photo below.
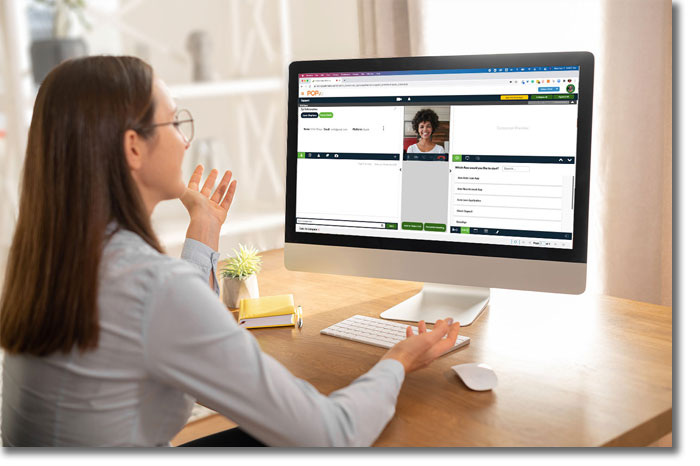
(377, 332)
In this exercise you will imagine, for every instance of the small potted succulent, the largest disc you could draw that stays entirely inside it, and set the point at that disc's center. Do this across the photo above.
(239, 276)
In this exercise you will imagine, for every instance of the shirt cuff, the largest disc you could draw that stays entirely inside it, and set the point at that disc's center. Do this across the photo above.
(203, 257)
(394, 367)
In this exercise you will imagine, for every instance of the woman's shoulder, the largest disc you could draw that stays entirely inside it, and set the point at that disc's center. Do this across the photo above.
(127, 256)
(126, 245)
(438, 149)
(413, 148)
(133, 276)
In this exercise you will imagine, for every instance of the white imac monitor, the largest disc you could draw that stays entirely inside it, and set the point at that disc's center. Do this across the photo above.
(463, 172)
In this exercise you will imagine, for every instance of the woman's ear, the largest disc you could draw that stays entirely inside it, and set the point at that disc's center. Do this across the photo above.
(134, 150)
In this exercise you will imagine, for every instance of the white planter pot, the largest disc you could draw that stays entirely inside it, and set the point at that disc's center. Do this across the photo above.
(234, 290)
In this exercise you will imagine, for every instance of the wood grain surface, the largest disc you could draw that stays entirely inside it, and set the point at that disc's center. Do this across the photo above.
(581, 370)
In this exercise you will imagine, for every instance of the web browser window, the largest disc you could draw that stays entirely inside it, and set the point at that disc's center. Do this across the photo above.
(478, 155)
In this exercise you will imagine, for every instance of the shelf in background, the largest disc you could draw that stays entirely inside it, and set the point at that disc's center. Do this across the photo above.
(231, 87)
(259, 224)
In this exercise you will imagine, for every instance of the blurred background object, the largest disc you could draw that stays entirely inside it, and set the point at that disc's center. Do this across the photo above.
(199, 45)
(51, 46)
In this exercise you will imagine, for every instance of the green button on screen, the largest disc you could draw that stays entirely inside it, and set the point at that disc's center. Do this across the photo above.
(412, 226)
(326, 114)
(435, 227)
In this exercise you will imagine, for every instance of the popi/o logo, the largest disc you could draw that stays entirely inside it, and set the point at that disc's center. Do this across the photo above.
(313, 93)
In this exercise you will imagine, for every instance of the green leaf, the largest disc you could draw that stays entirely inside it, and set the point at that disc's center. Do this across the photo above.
(246, 262)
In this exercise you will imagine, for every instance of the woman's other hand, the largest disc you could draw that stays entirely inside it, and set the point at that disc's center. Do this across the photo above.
(418, 351)
(208, 211)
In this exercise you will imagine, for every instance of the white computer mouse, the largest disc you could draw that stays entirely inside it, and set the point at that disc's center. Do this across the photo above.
(476, 376)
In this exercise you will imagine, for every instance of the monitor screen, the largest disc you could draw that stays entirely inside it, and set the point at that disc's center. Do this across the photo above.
(467, 155)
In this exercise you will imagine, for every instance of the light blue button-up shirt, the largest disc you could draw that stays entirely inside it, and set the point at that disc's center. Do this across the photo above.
(165, 341)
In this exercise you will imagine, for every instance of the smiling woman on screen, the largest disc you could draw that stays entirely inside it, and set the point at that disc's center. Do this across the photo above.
(109, 341)
(425, 122)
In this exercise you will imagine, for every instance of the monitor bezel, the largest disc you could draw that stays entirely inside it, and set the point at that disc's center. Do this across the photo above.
(585, 61)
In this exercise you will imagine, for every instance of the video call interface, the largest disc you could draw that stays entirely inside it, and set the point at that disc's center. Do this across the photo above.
(477, 155)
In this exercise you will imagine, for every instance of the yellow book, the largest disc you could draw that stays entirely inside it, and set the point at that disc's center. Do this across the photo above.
(270, 311)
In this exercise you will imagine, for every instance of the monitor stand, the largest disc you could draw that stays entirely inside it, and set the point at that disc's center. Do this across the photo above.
(435, 301)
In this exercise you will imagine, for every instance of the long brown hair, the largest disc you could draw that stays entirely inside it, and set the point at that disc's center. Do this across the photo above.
(75, 181)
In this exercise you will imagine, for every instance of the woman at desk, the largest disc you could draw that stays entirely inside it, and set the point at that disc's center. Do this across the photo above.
(109, 341)
(425, 122)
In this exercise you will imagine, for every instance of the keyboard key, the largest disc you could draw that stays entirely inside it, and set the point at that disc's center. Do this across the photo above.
(377, 332)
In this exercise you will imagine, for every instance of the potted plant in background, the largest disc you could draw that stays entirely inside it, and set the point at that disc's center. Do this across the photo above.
(50, 49)
(239, 276)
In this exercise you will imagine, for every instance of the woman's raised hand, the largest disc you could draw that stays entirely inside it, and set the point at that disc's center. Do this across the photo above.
(208, 210)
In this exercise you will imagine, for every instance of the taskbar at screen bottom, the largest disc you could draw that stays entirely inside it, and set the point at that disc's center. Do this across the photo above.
(491, 236)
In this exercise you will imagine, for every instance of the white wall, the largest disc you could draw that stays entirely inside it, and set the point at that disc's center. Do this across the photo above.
(323, 29)
(636, 151)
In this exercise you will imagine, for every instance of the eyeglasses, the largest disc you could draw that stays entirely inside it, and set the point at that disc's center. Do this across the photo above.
(183, 122)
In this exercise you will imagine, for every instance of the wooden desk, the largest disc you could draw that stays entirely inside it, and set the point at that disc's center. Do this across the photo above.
(573, 370)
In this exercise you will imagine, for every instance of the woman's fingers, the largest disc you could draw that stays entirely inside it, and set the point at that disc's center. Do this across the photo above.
(209, 182)
(446, 343)
(226, 203)
(223, 195)
(221, 189)
(196, 178)
(421, 327)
